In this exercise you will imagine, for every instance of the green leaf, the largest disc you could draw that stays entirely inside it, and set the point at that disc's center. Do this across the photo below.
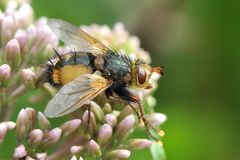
(157, 151)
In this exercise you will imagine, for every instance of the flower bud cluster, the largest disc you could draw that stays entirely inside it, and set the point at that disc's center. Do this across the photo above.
(25, 43)
(101, 135)
(107, 133)
(36, 139)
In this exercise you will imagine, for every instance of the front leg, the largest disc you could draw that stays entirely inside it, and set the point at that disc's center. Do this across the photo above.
(123, 95)
(113, 96)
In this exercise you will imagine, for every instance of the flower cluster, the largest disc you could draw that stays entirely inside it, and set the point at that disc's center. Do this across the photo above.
(32, 142)
(101, 131)
(119, 39)
(25, 44)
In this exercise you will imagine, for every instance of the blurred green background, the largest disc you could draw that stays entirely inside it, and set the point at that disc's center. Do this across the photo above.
(198, 42)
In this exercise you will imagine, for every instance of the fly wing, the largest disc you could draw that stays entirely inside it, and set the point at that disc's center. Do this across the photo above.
(77, 38)
(75, 94)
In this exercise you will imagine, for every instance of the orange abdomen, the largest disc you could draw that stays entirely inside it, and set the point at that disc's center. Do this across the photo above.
(66, 68)
(68, 73)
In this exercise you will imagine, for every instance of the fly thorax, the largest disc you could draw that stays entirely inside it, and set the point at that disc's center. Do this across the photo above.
(118, 67)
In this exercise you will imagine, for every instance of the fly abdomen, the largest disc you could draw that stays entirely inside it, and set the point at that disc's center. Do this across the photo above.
(68, 68)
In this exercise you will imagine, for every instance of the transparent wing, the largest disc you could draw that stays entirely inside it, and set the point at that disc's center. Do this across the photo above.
(76, 38)
(75, 94)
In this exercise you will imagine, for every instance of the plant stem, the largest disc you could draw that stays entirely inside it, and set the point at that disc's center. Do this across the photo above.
(7, 105)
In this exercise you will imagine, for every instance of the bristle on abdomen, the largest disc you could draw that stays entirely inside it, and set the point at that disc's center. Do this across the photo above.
(53, 76)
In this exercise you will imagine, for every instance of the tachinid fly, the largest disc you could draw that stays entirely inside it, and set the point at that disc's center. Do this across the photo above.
(93, 68)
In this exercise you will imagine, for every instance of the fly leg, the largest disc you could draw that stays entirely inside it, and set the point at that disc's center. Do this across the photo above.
(148, 125)
(127, 103)
(125, 96)
(87, 131)
(89, 118)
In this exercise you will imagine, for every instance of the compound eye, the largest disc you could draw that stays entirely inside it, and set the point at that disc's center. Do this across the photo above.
(141, 75)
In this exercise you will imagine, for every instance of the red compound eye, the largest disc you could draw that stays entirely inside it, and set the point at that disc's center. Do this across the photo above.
(141, 76)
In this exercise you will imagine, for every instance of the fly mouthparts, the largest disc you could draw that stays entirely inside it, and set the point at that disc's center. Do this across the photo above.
(158, 70)
(149, 87)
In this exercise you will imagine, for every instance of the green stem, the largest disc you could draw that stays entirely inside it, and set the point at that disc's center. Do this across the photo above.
(7, 105)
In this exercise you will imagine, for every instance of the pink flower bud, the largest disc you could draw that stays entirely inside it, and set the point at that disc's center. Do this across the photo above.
(10, 125)
(22, 124)
(42, 21)
(70, 126)
(41, 156)
(11, 6)
(31, 32)
(7, 29)
(74, 158)
(52, 137)
(35, 137)
(124, 127)
(31, 116)
(21, 36)
(105, 134)
(13, 53)
(24, 16)
(94, 148)
(44, 123)
(111, 119)
(77, 150)
(156, 119)
(92, 121)
(42, 38)
(119, 154)
(138, 144)
(3, 131)
(28, 78)
(20, 152)
(120, 33)
(5, 73)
